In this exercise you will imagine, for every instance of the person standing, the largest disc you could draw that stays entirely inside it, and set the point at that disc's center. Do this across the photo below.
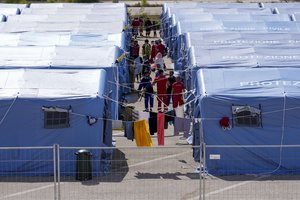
(135, 49)
(147, 90)
(138, 68)
(171, 80)
(146, 49)
(161, 80)
(178, 90)
(154, 28)
(160, 48)
(141, 25)
(135, 27)
(153, 51)
(148, 25)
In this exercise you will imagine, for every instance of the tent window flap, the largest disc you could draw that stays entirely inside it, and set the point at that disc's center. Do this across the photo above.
(56, 118)
(246, 116)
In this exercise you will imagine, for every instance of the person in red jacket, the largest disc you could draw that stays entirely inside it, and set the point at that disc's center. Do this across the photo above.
(160, 48)
(162, 81)
(135, 49)
(153, 51)
(135, 27)
(178, 90)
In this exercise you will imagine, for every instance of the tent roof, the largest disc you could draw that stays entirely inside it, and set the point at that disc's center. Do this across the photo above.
(9, 11)
(74, 11)
(240, 38)
(29, 18)
(73, 27)
(77, 5)
(229, 17)
(225, 26)
(241, 56)
(53, 84)
(60, 39)
(249, 82)
(59, 57)
(7, 5)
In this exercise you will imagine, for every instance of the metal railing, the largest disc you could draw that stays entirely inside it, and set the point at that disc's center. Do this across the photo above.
(226, 172)
(251, 172)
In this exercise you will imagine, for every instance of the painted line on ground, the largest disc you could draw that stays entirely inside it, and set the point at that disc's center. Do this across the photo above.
(229, 188)
(27, 191)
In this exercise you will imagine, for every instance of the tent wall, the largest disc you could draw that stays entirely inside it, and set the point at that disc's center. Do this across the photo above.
(274, 92)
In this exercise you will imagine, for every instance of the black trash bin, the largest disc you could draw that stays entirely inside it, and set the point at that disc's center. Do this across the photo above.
(83, 165)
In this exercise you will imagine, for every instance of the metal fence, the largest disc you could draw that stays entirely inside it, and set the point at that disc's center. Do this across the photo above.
(27, 173)
(259, 174)
(113, 173)
(143, 173)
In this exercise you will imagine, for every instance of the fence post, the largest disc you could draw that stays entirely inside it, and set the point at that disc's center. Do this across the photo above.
(204, 169)
(58, 171)
(54, 172)
(200, 175)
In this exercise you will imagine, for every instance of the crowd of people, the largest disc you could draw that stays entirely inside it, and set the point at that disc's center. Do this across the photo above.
(139, 24)
(170, 89)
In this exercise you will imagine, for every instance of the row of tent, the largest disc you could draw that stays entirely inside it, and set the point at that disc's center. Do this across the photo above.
(241, 64)
(59, 81)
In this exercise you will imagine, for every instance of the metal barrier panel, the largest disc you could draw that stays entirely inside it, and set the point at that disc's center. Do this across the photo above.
(128, 173)
(27, 173)
(270, 172)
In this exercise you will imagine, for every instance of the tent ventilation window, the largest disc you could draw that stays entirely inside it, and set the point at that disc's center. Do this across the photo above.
(246, 116)
(56, 118)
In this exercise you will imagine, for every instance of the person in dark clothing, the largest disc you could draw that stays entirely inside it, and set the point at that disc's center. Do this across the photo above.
(147, 91)
(146, 66)
(141, 26)
(154, 28)
(148, 25)
(135, 49)
(171, 80)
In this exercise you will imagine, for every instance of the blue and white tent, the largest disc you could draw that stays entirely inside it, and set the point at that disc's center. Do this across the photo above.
(54, 109)
(229, 26)
(240, 57)
(194, 8)
(68, 57)
(230, 40)
(63, 39)
(262, 106)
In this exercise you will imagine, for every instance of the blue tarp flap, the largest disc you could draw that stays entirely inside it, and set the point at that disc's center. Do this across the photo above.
(269, 90)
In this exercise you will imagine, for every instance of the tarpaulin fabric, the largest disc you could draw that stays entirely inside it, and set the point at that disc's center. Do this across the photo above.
(144, 115)
(179, 111)
(160, 128)
(274, 92)
(128, 130)
(153, 123)
(169, 117)
(79, 92)
(182, 125)
(142, 134)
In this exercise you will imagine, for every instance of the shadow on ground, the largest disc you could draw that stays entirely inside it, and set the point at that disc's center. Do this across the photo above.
(173, 176)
